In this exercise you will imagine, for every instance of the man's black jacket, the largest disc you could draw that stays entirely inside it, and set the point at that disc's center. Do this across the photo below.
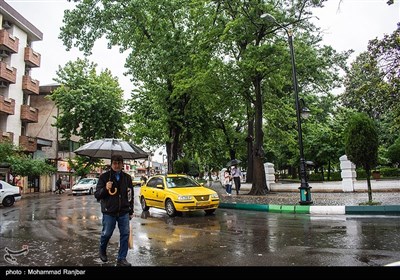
(122, 201)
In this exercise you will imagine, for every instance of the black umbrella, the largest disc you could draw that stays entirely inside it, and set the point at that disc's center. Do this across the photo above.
(233, 162)
(105, 148)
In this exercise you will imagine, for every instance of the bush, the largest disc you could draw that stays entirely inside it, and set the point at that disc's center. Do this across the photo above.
(390, 172)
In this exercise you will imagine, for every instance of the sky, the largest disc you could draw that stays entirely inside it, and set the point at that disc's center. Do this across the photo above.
(347, 24)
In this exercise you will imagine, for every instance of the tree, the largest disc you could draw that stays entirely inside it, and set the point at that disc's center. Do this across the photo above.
(361, 144)
(386, 53)
(90, 105)
(21, 163)
(190, 59)
(393, 152)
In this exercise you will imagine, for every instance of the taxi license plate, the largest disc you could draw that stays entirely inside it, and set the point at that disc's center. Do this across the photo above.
(201, 203)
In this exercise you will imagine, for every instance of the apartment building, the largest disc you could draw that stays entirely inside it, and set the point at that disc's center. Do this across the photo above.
(17, 85)
(26, 115)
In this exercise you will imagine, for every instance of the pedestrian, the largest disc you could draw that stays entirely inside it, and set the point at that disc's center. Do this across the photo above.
(143, 179)
(228, 182)
(114, 190)
(58, 186)
(237, 177)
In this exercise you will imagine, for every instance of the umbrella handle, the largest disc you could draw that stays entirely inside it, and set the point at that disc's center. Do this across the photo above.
(109, 190)
(112, 193)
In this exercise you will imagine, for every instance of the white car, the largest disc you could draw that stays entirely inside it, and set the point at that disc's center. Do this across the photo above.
(85, 186)
(8, 194)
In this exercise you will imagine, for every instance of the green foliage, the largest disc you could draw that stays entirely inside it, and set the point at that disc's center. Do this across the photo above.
(7, 149)
(185, 166)
(370, 203)
(90, 105)
(361, 141)
(82, 166)
(389, 172)
(361, 144)
(23, 164)
(393, 152)
(361, 174)
(179, 167)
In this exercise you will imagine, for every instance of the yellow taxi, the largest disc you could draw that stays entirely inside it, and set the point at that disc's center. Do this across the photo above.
(177, 193)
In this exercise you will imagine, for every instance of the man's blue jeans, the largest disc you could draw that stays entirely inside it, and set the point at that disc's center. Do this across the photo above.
(109, 223)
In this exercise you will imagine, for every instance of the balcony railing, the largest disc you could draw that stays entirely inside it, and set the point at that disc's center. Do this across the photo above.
(32, 58)
(7, 105)
(29, 85)
(29, 114)
(8, 42)
(27, 143)
(6, 136)
(7, 73)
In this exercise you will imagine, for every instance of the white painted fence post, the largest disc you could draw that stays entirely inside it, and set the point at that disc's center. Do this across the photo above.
(348, 174)
(269, 174)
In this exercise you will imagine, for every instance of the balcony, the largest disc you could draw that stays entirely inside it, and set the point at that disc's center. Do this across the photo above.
(27, 143)
(7, 73)
(31, 58)
(30, 86)
(8, 42)
(7, 105)
(29, 114)
(6, 136)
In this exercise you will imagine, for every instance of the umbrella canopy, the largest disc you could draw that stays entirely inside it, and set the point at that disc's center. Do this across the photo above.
(105, 148)
(233, 162)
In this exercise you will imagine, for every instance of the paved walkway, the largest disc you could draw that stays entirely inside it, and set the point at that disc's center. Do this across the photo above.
(324, 202)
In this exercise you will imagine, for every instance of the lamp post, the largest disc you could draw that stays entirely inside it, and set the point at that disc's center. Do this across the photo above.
(163, 169)
(305, 189)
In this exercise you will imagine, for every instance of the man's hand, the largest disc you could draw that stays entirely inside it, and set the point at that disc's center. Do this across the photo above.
(130, 217)
(109, 185)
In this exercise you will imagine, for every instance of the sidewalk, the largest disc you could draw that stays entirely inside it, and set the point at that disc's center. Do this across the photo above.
(324, 202)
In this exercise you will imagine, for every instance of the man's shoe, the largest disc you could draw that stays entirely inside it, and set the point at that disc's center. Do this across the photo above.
(123, 262)
(103, 256)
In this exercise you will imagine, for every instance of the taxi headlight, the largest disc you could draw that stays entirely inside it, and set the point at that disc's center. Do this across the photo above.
(185, 197)
(214, 195)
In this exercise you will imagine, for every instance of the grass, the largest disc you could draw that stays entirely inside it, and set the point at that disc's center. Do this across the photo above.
(370, 203)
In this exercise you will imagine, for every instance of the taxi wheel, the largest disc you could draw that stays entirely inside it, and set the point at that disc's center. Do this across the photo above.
(143, 203)
(170, 208)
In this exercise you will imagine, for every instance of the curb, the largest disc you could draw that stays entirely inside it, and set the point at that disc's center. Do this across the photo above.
(318, 210)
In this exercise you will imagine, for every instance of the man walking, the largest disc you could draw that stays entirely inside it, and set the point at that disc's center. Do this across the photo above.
(237, 177)
(115, 192)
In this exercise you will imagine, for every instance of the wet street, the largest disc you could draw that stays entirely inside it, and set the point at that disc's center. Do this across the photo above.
(63, 230)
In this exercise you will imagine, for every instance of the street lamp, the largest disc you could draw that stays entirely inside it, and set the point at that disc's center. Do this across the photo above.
(163, 169)
(305, 189)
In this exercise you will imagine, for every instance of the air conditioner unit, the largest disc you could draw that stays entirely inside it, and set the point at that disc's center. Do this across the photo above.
(4, 53)
(3, 84)
(6, 24)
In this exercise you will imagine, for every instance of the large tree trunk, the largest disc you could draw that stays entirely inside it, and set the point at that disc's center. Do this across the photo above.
(172, 148)
(259, 186)
(250, 140)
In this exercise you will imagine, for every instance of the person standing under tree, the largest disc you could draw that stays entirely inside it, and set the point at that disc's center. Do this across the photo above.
(228, 182)
(237, 176)
(115, 192)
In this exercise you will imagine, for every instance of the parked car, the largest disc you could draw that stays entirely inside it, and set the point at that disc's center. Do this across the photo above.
(85, 186)
(137, 181)
(9, 194)
(177, 193)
